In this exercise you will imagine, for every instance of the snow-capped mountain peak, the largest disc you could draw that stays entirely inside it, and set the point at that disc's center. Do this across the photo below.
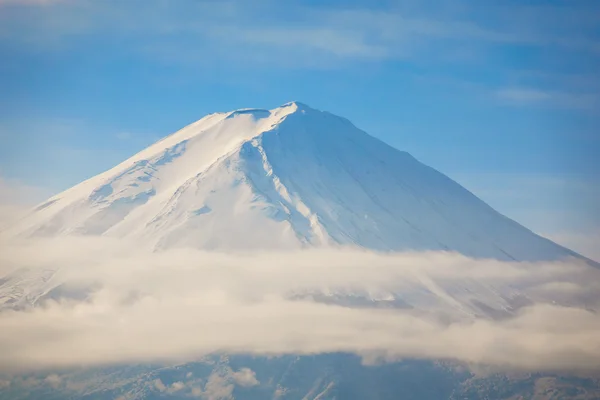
(284, 178)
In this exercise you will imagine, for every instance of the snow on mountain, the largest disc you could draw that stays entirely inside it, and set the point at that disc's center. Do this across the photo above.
(285, 178)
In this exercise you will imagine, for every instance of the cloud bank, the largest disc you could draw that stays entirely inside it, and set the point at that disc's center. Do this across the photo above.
(100, 301)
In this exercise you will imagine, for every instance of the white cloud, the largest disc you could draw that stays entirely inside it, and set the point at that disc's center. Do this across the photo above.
(15, 192)
(16, 199)
(123, 135)
(536, 96)
(106, 301)
(53, 380)
(524, 95)
(245, 377)
(177, 386)
(217, 388)
(172, 388)
(29, 2)
(220, 384)
(159, 385)
(258, 30)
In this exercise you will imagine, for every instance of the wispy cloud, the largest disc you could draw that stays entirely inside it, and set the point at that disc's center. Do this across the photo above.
(360, 32)
(220, 384)
(16, 199)
(123, 135)
(235, 35)
(524, 95)
(536, 96)
(29, 2)
(110, 302)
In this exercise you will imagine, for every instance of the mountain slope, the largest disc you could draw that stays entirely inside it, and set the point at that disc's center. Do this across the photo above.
(285, 178)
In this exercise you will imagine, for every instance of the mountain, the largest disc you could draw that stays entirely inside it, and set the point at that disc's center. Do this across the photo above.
(288, 377)
(288, 178)
(285, 178)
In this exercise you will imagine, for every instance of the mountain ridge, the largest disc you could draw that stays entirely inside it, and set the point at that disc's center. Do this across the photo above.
(289, 177)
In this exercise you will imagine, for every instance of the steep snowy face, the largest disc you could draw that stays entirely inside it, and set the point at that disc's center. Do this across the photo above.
(283, 178)
(133, 196)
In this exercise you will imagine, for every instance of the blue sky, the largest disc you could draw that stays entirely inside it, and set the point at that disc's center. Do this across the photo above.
(503, 96)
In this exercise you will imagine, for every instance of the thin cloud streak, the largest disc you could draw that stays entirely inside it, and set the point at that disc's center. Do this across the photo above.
(30, 2)
(211, 35)
(534, 96)
(355, 33)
